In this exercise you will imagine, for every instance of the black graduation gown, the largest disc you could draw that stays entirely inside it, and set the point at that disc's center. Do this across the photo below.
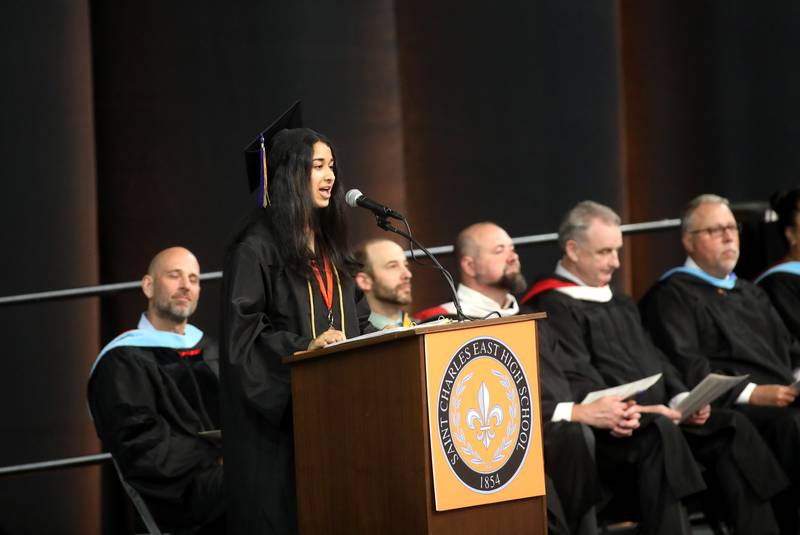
(653, 469)
(148, 405)
(783, 290)
(266, 317)
(574, 485)
(703, 328)
(608, 346)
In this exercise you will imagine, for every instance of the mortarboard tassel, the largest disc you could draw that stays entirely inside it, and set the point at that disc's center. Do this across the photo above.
(263, 190)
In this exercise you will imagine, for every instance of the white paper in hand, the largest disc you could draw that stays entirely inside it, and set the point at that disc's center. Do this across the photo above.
(624, 391)
(709, 389)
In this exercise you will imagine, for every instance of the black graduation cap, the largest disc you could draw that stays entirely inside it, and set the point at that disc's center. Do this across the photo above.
(255, 155)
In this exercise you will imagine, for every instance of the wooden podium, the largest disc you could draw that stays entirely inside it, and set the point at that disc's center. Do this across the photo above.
(363, 433)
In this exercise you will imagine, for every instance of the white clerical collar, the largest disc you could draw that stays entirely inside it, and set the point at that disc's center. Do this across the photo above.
(476, 304)
(690, 263)
(583, 292)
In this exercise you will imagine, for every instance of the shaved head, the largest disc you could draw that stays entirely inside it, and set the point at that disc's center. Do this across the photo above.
(488, 262)
(169, 255)
(468, 241)
(172, 288)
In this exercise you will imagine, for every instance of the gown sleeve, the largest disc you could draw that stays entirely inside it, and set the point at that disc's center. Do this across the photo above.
(159, 459)
(553, 384)
(670, 317)
(255, 346)
(577, 360)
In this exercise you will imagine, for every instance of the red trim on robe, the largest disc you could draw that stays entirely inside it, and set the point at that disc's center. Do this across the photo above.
(544, 285)
(190, 353)
(428, 313)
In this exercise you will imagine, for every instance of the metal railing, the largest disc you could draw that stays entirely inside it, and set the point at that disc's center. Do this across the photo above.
(108, 289)
(45, 466)
(86, 291)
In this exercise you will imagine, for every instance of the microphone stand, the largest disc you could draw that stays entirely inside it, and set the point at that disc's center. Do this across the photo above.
(383, 222)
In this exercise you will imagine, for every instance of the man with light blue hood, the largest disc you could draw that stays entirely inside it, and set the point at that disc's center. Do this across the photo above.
(153, 393)
(707, 320)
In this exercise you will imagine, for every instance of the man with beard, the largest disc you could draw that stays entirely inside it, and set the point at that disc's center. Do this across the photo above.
(153, 391)
(490, 274)
(490, 271)
(386, 281)
(705, 319)
(606, 345)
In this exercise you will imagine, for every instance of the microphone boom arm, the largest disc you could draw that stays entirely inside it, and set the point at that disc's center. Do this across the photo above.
(384, 223)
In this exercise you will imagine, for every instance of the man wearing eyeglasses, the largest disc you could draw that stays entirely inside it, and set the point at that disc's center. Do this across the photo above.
(603, 344)
(707, 320)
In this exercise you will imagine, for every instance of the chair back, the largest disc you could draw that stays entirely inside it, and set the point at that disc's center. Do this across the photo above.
(139, 503)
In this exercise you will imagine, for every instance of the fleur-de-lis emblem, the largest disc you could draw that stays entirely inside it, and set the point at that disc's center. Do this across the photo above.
(484, 418)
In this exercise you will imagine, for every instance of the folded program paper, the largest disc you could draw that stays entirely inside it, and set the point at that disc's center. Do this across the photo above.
(624, 391)
(709, 389)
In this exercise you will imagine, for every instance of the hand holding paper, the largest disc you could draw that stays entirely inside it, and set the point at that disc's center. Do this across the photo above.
(625, 391)
(709, 389)
(700, 417)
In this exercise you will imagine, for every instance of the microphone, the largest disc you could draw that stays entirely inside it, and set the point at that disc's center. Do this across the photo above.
(355, 198)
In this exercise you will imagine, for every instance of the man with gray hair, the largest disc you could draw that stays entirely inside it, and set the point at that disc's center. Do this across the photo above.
(706, 319)
(490, 273)
(605, 345)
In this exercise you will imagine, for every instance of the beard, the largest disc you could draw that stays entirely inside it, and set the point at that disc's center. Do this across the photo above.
(391, 295)
(170, 311)
(514, 283)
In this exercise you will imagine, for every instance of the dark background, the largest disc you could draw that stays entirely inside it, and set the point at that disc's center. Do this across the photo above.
(124, 123)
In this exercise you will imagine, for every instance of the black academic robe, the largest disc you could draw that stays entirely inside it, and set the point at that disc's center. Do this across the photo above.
(650, 471)
(703, 328)
(783, 290)
(608, 346)
(148, 405)
(568, 447)
(266, 317)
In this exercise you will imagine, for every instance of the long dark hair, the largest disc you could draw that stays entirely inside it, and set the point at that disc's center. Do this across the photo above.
(785, 204)
(291, 210)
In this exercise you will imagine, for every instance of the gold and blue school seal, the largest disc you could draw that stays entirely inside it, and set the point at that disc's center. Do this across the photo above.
(484, 414)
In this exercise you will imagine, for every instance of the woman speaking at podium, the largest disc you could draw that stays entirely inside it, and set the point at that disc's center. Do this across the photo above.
(287, 288)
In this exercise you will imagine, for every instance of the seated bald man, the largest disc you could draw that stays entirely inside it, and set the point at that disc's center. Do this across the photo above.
(490, 273)
(386, 281)
(153, 390)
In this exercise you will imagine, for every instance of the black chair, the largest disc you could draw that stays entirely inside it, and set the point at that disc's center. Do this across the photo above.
(141, 507)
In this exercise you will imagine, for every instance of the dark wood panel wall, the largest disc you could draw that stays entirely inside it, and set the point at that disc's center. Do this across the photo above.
(124, 125)
(48, 235)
